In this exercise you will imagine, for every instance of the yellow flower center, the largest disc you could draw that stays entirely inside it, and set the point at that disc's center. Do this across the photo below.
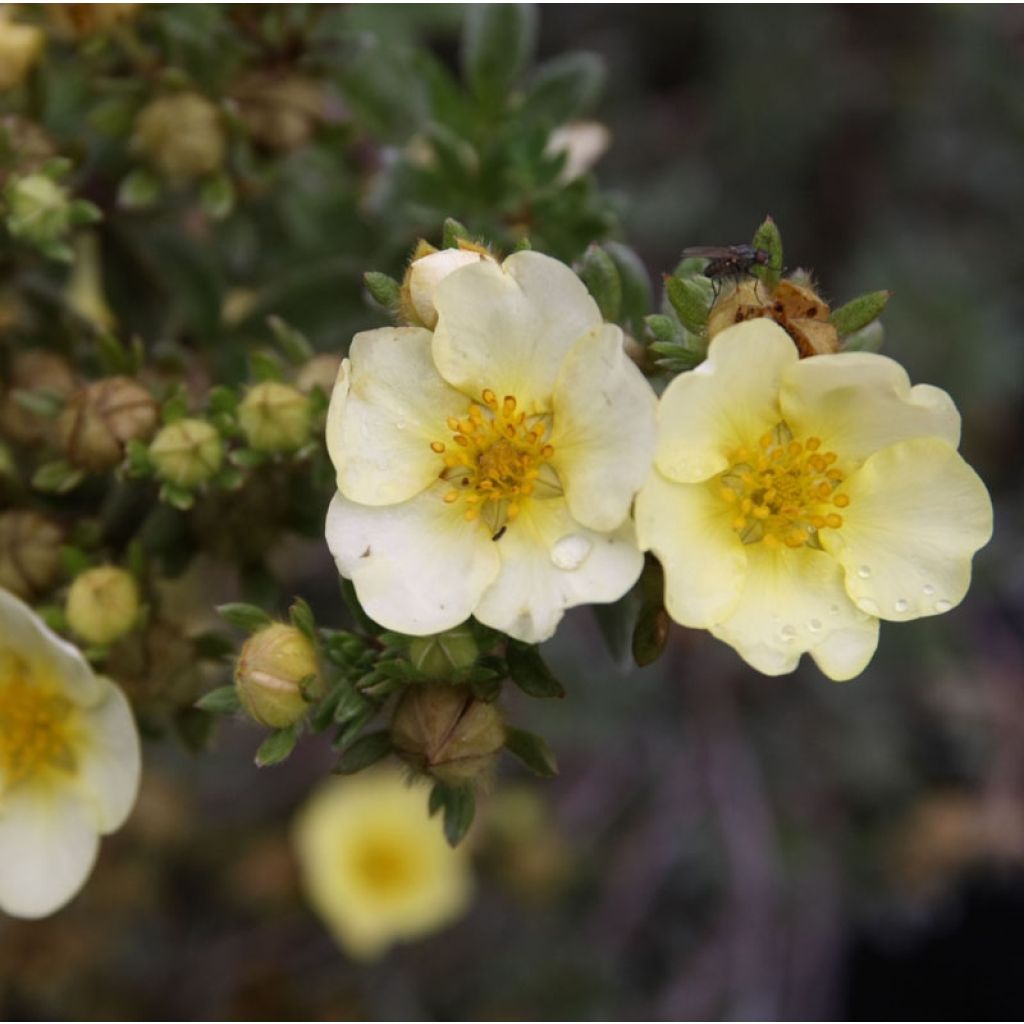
(498, 457)
(783, 490)
(385, 866)
(35, 730)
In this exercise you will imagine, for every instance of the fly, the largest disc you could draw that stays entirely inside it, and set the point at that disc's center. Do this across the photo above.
(728, 260)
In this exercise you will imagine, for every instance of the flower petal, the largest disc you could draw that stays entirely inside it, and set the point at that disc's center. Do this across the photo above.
(917, 515)
(508, 328)
(48, 845)
(793, 601)
(859, 403)
(418, 567)
(426, 273)
(728, 402)
(603, 429)
(109, 759)
(388, 406)
(688, 527)
(549, 563)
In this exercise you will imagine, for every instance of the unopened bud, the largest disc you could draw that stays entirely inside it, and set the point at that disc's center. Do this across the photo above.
(29, 552)
(275, 417)
(38, 209)
(20, 48)
(101, 418)
(438, 656)
(181, 135)
(102, 604)
(187, 452)
(446, 732)
(38, 371)
(319, 372)
(429, 267)
(279, 112)
(277, 675)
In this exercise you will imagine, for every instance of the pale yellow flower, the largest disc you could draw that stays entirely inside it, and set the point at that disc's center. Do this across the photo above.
(794, 503)
(69, 764)
(375, 865)
(488, 468)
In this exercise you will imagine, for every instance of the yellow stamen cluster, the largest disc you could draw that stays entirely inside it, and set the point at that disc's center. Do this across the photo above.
(384, 866)
(498, 457)
(34, 730)
(783, 491)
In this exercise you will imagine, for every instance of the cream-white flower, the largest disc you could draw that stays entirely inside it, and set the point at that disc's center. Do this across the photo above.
(794, 503)
(69, 763)
(488, 468)
(425, 273)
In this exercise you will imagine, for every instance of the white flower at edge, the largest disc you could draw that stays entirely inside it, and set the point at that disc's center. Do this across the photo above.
(488, 468)
(795, 502)
(69, 764)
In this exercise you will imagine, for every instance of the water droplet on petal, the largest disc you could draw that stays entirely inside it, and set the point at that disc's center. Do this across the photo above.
(788, 634)
(943, 606)
(868, 606)
(928, 589)
(815, 625)
(864, 572)
(901, 606)
(570, 552)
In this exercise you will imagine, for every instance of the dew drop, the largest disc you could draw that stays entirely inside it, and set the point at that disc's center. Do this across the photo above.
(864, 572)
(901, 606)
(868, 606)
(814, 625)
(928, 589)
(788, 634)
(570, 552)
(943, 606)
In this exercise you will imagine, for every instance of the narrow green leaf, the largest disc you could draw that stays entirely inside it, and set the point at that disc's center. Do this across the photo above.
(867, 339)
(384, 290)
(565, 87)
(532, 750)
(41, 402)
(459, 810)
(498, 41)
(690, 303)
(244, 616)
(859, 312)
(601, 277)
(217, 196)
(57, 477)
(222, 701)
(366, 750)
(454, 230)
(527, 670)
(301, 616)
(768, 239)
(277, 746)
(637, 290)
(139, 190)
(436, 800)
(293, 343)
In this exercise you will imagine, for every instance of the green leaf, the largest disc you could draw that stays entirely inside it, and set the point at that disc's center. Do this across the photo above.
(366, 750)
(565, 87)
(637, 291)
(651, 634)
(301, 616)
(174, 408)
(867, 339)
(384, 290)
(244, 616)
(293, 343)
(527, 670)
(139, 190)
(436, 801)
(459, 810)
(859, 312)
(498, 41)
(277, 746)
(41, 402)
(601, 277)
(81, 212)
(768, 238)
(265, 366)
(689, 301)
(532, 750)
(74, 560)
(177, 497)
(113, 355)
(453, 231)
(57, 477)
(217, 196)
(663, 328)
(222, 701)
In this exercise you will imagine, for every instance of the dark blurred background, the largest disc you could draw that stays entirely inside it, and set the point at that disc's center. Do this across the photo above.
(718, 844)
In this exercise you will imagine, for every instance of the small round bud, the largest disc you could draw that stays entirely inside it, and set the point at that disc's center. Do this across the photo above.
(319, 372)
(446, 732)
(34, 370)
(102, 604)
(29, 552)
(101, 418)
(20, 48)
(275, 417)
(279, 112)
(181, 135)
(437, 656)
(38, 209)
(425, 273)
(269, 673)
(187, 452)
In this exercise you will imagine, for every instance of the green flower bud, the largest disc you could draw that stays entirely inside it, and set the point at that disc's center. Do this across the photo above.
(437, 656)
(181, 136)
(445, 732)
(275, 417)
(187, 452)
(270, 673)
(29, 552)
(38, 209)
(101, 418)
(102, 604)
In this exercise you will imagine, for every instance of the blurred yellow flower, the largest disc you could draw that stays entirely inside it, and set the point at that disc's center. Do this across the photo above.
(488, 468)
(69, 764)
(376, 866)
(794, 503)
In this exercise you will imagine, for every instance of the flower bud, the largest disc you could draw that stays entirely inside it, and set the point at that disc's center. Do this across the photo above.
(38, 209)
(29, 552)
(280, 113)
(34, 370)
(101, 418)
(319, 372)
(444, 731)
(582, 143)
(187, 452)
(181, 135)
(429, 267)
(20, 48)
(272, 665)
(275, 417)
(102, 604)
(437, 656)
